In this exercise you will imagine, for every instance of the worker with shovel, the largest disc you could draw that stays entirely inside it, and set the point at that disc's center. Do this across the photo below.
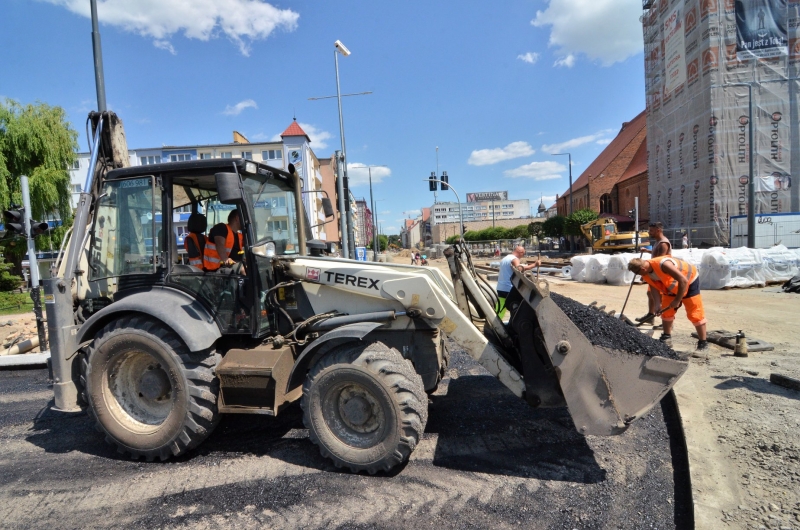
(661, 246)
(678, 283)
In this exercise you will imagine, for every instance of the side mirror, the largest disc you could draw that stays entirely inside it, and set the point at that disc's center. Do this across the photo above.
(228, 188)
(327, 207)
(291, 169)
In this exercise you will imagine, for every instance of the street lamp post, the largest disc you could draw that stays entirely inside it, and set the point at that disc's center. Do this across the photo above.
(345, 217)
(376, 231)
(571, 238)
(375, 242)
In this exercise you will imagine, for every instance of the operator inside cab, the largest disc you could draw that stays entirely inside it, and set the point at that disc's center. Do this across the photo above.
(225, 244)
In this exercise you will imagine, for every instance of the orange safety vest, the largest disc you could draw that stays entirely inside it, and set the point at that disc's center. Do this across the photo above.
(665, 283)
(211, 259)
(197, 261)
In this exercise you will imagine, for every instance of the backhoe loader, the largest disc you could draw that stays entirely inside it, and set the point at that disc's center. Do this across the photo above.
(157, 351)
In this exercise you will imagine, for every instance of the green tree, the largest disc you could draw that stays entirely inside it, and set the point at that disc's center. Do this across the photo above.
(573, 223)
(536, 230)
(36, 140)
(520, 232)
(554, 226)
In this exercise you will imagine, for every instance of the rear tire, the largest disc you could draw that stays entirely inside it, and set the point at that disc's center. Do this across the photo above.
(149, 394)
(365, 407)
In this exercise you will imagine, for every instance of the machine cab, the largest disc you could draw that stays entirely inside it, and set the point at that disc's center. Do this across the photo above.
(146, 215)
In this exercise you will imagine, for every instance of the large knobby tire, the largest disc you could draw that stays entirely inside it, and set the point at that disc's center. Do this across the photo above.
(365, 407)
(149, 394)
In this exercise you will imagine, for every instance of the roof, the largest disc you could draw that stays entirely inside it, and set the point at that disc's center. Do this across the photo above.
(426, 214)
(295, 130)
(638, 163)
(624, 137)
(197, 167)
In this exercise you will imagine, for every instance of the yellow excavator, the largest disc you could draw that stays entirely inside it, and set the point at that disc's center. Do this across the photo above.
(612, 233)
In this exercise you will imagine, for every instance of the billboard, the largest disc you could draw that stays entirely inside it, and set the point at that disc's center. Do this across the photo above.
(487, 196)
(761, 28)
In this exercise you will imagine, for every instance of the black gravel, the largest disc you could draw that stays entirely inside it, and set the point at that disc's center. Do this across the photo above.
(603, 330)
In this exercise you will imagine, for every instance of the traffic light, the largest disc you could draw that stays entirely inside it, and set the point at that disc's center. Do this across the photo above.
(463, 229)
(38, 228)
(445, 181)
(432, 182)
(14, 220)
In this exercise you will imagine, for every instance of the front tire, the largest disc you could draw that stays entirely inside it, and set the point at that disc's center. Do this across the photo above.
(149, 394)
(365, 407)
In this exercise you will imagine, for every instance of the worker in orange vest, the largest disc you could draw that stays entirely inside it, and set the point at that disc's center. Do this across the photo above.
(225, 243)
(678, 282)
(195, 241)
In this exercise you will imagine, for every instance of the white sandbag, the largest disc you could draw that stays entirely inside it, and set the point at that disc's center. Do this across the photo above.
(596, 268)
(578, 271)
(690, 255)
(733, 267)
(780, 263)
(618, 273)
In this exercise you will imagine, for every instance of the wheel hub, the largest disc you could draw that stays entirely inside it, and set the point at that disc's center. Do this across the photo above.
(359, 410)
(154, 383)
(356, 411)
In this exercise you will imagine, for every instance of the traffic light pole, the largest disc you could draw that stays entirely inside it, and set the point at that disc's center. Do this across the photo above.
(36, 289)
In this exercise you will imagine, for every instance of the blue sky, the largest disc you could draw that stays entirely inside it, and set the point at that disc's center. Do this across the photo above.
(497, 87)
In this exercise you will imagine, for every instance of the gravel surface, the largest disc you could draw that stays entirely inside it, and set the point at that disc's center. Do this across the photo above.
(603, 330)
(756, 425)
(486, 460)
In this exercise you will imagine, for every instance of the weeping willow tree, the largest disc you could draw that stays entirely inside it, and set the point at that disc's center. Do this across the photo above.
(36, 140)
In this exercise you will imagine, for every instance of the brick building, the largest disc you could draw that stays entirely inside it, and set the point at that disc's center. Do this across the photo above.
(597, 187)
(632, 184)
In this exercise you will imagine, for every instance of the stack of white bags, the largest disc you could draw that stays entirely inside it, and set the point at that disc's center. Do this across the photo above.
(719, 267)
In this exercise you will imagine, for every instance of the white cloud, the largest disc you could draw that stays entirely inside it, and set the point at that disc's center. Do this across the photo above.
(412, 213)
(385, 212)
(359, 174)
(485, 157)
(165, 45)
(568, 61)
(548, 198)
(599, 137)
(389, 230)
(537, 171)
(239, 107)
(604, 141)
(241, 21)
(530, 57)
(608, 31)
(317, 137)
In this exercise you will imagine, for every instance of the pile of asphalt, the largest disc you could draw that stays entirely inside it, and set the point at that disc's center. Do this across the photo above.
(603, 330)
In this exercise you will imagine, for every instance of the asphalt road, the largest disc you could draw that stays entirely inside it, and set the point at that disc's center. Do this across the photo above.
(487, 460)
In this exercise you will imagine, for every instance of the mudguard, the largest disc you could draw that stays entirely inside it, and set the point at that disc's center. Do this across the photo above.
(176, 309)
(327, 342)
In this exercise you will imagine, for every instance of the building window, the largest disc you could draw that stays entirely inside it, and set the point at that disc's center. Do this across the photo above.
(76, 164)
(247, 155)
(180, 157)
(149, 160)
(273, 226)
(76, 188)
(205, 156)
(605, 203)
(272, 154)
(226, 154)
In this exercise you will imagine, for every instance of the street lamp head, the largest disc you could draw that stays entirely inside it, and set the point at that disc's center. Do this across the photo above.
(341, 48)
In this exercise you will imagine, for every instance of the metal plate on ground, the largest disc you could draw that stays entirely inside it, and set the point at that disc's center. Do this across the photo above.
(727, 339)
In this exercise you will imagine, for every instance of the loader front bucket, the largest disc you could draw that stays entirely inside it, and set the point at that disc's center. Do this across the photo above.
(605, 389)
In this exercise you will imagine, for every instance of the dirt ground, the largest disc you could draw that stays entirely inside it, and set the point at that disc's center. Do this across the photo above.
(15, 329)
